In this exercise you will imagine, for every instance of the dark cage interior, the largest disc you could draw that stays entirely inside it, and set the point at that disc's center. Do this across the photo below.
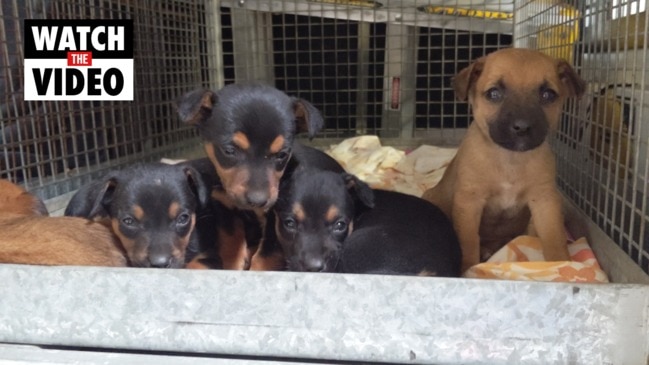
(320, 60)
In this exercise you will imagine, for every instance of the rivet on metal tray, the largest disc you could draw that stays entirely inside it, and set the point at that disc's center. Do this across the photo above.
(241, 3)
(398, 17)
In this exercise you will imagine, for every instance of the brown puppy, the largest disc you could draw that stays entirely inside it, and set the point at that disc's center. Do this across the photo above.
(504, 172)
(29, 236)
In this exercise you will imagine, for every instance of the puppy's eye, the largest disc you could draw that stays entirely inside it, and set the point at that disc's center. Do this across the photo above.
(229, 150)
(182, 219)
(282, 155)
(290, 224)
(494, 94)
(548, 96)
(128, 221)
(340, 226)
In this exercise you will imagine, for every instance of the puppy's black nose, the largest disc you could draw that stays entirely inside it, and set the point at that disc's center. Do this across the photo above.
(257, 198)
(520, 127)
(314, 265)
(160, 261)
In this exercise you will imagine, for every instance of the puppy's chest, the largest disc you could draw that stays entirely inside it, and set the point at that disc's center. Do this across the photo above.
(506, 200)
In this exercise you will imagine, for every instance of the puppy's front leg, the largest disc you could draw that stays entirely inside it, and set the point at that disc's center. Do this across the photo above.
(467, 212)
(233, 248)
(547, 218)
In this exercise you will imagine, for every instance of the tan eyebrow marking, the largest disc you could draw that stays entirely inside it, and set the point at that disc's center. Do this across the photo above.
(241, 140)
(277, 144)
(298, 210)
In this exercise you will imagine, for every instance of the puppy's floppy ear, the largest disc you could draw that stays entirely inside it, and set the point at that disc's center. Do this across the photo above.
(85, 199)
(307, 118)
(197, 185)
(103, 198)
(465, 80)
(574, 84)
(196, 106)
(359, 190)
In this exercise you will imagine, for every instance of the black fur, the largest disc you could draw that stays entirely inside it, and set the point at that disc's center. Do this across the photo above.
(372, 231)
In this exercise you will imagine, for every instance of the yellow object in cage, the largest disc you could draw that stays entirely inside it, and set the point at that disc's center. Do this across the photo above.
(557, 38)
(446, 10)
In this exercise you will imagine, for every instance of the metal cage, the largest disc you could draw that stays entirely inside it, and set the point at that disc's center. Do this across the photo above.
(379, 67)
(604, 139)
(54, 147)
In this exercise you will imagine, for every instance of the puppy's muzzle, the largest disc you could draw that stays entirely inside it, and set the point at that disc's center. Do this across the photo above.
(257, 198)
(313, 264)
(160, 260)
(160, 255)
(519, 128)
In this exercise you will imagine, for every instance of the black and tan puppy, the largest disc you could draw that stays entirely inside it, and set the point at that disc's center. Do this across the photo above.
(30, 236)
(504, 172)
(327, 221)
(152, 208)
(248, 134)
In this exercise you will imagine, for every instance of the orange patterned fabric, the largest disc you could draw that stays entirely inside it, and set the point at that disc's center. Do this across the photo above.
(522, 259)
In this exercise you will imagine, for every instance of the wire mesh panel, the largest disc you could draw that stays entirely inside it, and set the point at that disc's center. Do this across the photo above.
(603, 143)
(378, 67)
(54, 146)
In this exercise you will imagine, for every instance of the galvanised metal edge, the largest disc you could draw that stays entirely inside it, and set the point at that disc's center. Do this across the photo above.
(394, 319)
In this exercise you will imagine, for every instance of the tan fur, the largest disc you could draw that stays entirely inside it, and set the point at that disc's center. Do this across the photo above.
(196, 263)
(223, 198)
(273, 181)
(28, 237)
(298, 211)
(241, 140)
(234, 180)
(274, 262)
(277, 145)
(332, 213)
(14, 199)
(233, 248)
(128, 243)
(173, 210)
(138, 212)
(490, 193)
